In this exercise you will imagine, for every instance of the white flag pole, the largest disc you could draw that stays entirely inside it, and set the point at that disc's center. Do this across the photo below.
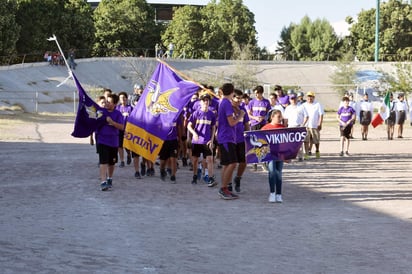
(53, 38)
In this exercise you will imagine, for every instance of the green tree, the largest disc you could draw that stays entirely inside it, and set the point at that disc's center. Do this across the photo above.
(226, 23)
(70, 20)
(344, 75)
(9, 29)
(185, 32)
(401, 79)
(284, 47)
(125, 25)
(395, 32)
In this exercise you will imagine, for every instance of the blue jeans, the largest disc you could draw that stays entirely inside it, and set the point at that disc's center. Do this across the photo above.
(275, 176)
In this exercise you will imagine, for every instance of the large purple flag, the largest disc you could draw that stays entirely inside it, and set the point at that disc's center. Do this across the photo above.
(273, 144)
(159, 106)
(89, 113)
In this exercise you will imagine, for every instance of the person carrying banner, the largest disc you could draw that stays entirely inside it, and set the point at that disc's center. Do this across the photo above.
(201, 125)
(275, 167)
(226, 133)
(108, 141)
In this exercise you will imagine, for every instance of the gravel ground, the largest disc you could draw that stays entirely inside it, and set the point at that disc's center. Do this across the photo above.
(339, 215)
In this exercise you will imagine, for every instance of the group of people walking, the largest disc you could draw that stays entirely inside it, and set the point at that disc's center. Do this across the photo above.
(210, 129)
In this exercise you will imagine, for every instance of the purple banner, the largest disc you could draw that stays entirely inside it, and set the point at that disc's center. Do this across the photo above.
(273, 144)
(159, 106)
(88, 115)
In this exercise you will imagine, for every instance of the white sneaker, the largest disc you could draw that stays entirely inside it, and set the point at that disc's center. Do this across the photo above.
(272, 198)
(279, 198)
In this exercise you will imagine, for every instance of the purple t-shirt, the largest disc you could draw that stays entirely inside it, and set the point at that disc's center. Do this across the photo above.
(202, 123)
(173, 133)
(346, 113)
(125, 110)
(225, 133)
(259, 108)
(109, 135)
(240, 127)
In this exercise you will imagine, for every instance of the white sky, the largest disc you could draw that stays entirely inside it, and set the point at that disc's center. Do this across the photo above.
(272, 15)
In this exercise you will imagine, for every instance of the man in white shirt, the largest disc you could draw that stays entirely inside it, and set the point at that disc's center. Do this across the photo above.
(314, 114)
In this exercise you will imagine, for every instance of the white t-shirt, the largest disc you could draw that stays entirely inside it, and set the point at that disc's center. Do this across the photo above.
(314, 111)
(295, 115)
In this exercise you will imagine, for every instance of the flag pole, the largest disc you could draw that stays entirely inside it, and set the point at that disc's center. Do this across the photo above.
(53, 38)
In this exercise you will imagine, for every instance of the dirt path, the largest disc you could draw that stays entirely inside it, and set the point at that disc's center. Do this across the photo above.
(340, 214)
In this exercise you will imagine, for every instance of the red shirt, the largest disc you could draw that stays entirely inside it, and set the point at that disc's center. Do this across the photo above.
(270, 126)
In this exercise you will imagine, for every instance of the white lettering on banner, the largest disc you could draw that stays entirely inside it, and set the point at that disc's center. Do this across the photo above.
(289, 137)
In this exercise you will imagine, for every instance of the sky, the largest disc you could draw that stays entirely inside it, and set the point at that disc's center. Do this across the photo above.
(272, 15)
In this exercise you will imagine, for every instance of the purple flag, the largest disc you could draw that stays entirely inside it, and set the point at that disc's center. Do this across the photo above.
(89, 114)
(273, 144)
(159, 106)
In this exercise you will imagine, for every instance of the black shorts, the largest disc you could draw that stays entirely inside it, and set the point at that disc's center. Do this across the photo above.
(121, 137)
(240, 152)
(169, 149)
(228, 154)
(198, 149)
(345, 132)
(107, 155)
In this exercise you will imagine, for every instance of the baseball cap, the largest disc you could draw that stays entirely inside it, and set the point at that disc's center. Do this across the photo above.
(310, 93)
(138, 86)
(292, 95)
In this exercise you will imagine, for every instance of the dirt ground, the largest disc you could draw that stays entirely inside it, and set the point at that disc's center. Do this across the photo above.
(339, 215)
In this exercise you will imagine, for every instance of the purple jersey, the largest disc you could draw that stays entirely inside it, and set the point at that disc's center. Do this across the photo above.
(173, 133)
(240, 126)
(125, 110)
(345, 114)
(225, 133)
(259, 108)
(109, 135)
(202, 123)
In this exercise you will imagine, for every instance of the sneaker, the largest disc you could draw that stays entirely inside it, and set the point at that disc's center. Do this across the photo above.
(347, 153)
(194, 181)
(173, 179)
(341, 153)
(206, 179)
(150, 172)
(225, 194)
(184, 161)
(300, 159)
(199, 173)
(137, 175)
(229, 187)
(104, 186)
(237, 184)
(109, 182)
(143, 169)
(317, 154)
(264, 166)
(279, 198)
(169, 171)
(272, 198)
(129, 159)
(212, 182)
(255, 167)
(121, 164)
(163, 175)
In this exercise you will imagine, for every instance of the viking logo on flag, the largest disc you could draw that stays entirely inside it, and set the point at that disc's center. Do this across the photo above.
(160, 105)
(273, 144)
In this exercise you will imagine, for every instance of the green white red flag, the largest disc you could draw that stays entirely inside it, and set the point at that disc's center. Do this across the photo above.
(383, 112)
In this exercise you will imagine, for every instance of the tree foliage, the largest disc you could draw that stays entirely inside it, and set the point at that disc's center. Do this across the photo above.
(309, 40)
(9, 29)
(344, 75)
(215, 29)
(395, 32)
(124, 24)
(69, 20)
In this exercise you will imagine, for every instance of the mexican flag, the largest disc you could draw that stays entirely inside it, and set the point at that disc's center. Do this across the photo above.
(383, 112)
